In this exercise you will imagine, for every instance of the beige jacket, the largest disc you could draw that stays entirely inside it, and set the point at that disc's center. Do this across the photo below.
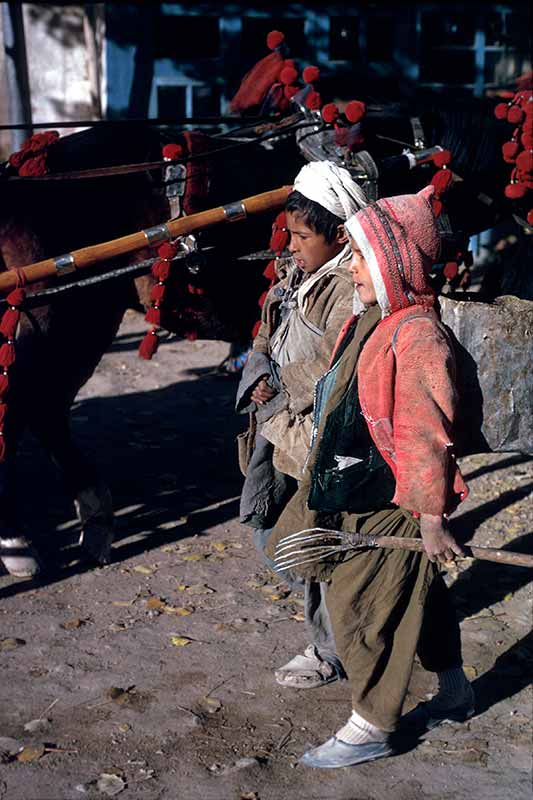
(327, 306)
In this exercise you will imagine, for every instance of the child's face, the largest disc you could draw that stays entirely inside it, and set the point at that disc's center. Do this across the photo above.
(308, 248)
(361, 276)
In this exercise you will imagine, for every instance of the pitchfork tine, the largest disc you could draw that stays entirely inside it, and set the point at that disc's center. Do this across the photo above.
(299, 563)
(283, 545)
(307, 530)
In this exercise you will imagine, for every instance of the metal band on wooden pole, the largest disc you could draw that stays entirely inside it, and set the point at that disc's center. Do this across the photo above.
(86, 256)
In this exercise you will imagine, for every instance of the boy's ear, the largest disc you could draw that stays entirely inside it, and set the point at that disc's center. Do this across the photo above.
(342, 235)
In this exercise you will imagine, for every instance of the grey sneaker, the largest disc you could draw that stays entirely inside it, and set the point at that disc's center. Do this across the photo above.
(334, 754)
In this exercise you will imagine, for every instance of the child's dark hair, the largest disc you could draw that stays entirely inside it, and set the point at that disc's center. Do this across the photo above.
(315, 216)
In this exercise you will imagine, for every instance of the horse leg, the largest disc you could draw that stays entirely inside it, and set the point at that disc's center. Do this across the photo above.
(92, 498)
(16, 552)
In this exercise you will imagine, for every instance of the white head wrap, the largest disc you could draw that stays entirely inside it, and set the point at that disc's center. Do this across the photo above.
(331, 187)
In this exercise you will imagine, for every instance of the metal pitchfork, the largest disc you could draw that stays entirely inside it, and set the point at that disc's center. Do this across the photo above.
(315, 544)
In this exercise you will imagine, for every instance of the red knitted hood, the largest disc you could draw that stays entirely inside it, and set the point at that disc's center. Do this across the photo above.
(399, 239)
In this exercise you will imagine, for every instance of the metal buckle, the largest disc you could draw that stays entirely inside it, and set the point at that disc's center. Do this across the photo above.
(159, 233)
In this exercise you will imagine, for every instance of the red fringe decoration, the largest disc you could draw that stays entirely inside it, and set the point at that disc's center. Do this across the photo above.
(441, 181)
(7, 354)
(149, 345)
(256, 83)
(270, 271)
(157, 292)
(3, 409)
(255, 329)
(311, 74)
(167, 250)
(16, 297)
(161, 270)
(10, 320)
(4, 385)
(153, 316)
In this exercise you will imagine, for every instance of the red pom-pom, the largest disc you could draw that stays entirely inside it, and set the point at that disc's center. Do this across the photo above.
(529, 220)
(330, 113)
(527, 141)
(40, 141)
(34, 167)
(172, 152)
(451, 269)
(149, 345)
(443, 158)
(288, 75)
(313, 101)
(515, 115)
(441, 181)
(8, 325)
(290, 91)
(274, 39)
(157, 292)
(17, 159)
(16, 297)
(7, 355)
(153, 316)
(355, 111)
(255, 329)
(311, 74)
(514, 191)
(161, 270)
(510, 151)
(167, 250)
(289, 62)
(500, 111)
(4, 385)
(524, 162)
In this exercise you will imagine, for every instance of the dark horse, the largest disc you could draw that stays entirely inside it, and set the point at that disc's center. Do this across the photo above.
(60, 344)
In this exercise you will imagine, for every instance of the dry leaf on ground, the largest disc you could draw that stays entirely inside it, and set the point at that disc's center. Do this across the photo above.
(11, 643)
(31, 753)
(143, 570)
(180, 641)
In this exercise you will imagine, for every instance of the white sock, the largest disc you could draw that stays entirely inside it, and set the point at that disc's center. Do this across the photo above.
(358, 731)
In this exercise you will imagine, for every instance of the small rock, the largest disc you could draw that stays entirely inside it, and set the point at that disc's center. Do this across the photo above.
(110, 784)
(36, 725)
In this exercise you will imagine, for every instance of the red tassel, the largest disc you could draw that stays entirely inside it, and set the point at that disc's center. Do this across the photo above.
(441, 180)
(279, 241)
(288, 75)
(524, 162)
(355, 111)
(510, 151)
(4, 385)
(149, 345)
(442, 159)
(2, 448)
(313, 101)
(16, 297)
(157, 293)
(311, 74)
(255, 329)
(262, 299)
(153, 316)
(270, 271)
(514, 191)
(167, 250)
(3, 409)
(515, 115)
(330, 113)
(161, 270)
(451, 269)
(436, 206)
(500, 111)
(172, 152)
(7, 355)
(10, 320)
(274, 39)
(529, 219)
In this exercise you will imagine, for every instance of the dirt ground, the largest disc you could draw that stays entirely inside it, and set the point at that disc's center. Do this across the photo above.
(157, 670)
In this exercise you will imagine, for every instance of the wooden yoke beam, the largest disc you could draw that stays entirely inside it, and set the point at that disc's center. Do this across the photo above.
(86, 256)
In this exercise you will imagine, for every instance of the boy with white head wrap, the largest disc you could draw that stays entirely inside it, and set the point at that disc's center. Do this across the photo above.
(301, 318)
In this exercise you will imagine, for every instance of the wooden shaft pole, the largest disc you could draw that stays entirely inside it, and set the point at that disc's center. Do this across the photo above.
(86, 256)
(482, 553)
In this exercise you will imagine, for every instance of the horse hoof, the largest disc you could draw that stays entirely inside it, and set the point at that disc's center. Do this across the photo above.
(95, 513)
(18, 557)
(97, 544)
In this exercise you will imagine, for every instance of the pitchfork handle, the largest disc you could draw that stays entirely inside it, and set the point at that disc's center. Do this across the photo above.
(482, 553)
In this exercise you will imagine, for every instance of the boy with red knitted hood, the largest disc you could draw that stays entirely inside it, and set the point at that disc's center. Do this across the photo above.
(382, 463)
